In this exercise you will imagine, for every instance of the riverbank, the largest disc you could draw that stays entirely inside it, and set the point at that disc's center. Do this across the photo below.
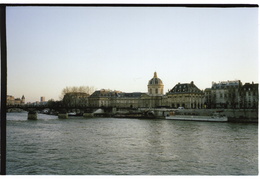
(234, 115)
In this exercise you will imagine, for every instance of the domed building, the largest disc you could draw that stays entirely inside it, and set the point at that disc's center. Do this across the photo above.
(185, 95)
(155, 86)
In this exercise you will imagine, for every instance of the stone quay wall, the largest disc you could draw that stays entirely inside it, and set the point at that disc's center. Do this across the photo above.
(234, 115)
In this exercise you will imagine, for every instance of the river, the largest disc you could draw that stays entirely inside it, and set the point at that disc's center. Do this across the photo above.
(115, 146)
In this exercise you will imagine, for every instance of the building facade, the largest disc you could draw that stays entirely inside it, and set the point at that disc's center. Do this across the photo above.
(186, 95)
(127, 100)
(108, 98)
(11, 100)
(224, 95)
(74, 99)
(153, 97)
(232, 95)
(102, 98)
(42, 99)
(182, 95)
(155, 86)
(249, 96)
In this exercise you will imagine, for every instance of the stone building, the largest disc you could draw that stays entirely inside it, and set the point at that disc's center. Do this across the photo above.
(249, 96)
(231, 95)
(127, 100)
(151, 99)
(207, 98)
(42, 99)
(74, 99)
(10, 100)
(17, 101)
(23, 100)
(155, 86)
(102, 98)
(225, 94)
(154, 95)
(186, 95)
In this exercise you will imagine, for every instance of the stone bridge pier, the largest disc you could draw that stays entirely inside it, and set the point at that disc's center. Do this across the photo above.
(32, 115)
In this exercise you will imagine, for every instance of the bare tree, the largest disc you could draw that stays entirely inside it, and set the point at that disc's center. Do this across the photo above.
(74, 89)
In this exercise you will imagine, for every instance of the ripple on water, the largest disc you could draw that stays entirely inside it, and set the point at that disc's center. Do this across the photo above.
(110, 146)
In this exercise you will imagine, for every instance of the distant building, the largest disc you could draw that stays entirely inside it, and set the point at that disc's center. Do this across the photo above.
(108, 98)
(232, 95)
(225, 94)
(17, 101)
(74, 99)
(42, 99)
(103, 98)
(186, 95)
(155, 93)
(36, 103)
(207, 98)
(10, 100)
(23, 100)
(155, 86)
(127, 100)
(249, 96)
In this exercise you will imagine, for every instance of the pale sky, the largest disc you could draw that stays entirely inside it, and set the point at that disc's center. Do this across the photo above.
(119, 48)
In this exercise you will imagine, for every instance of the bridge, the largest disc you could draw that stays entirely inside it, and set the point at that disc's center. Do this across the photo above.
(55, 108)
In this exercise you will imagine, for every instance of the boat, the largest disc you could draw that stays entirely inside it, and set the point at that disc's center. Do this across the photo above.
(138, 115)
(216, 117)
(72, 114)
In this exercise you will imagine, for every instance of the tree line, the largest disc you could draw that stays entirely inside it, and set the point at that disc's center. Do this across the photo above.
(77, 89)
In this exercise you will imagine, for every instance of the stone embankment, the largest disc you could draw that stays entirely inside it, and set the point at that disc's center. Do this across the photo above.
(234, 115)
(32, 115)
(15, 110)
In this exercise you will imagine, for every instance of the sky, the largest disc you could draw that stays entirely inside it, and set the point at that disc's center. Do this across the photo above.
(120, 48)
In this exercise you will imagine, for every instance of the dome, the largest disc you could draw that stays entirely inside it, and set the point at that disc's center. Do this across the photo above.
(155, 80)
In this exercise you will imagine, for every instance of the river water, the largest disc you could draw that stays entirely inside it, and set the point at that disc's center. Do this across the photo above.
(114, 146)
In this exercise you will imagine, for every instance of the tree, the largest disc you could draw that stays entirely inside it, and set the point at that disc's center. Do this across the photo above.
(74, 89)
(54, 104)
(76, 96)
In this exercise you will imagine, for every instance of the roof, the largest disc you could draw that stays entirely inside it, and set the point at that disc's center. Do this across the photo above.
(116, 94)
(77, 94)
(104, 93)
(248, 86)
(185, 88)
(155, 80)
(226, 84)
(130, 95)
